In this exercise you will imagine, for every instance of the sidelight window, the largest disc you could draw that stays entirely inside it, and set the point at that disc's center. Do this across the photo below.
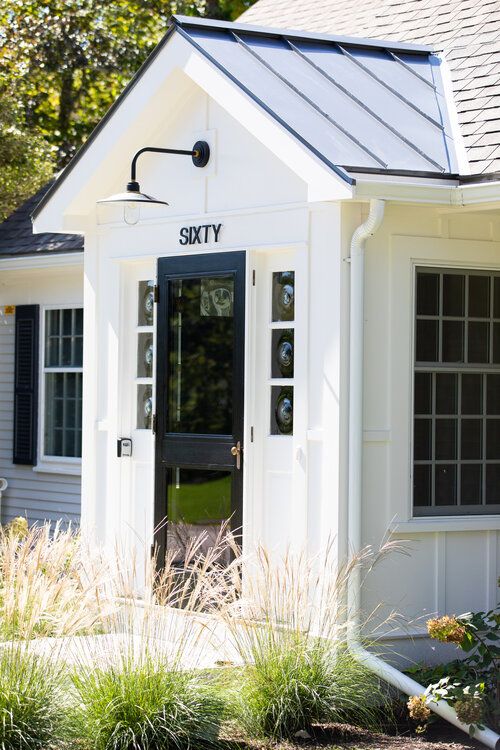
(145, 353)
(456, 429)
(282, 352)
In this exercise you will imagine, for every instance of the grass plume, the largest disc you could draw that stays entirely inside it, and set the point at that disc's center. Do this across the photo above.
(51, 582)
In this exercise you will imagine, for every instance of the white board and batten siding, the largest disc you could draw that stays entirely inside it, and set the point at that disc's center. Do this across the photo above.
(454, 561)
(32, 493)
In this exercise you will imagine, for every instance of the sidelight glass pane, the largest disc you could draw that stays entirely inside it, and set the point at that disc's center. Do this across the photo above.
(281, 410)
(478, 342)
(446, 439)
(446, 393)
(445, 484)
(453, 295)
(201, 350)
(423, 393)
(145, 355)
(472, 394)
(283, 307)
(422, 488)
(427, 349)
(479, 296)
(427, 293)
(198, 502)
(146, 304)
(453, 341)
(282, 353)
(144, 407)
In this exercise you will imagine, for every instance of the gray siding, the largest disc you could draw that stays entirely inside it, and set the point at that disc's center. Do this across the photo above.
(36, 495)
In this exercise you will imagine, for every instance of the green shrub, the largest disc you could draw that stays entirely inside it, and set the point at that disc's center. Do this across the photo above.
(472, 684)
(32, 700)
(141, 704)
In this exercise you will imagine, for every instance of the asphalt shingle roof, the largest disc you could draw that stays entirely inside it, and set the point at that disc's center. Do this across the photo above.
(467, 31)
(17, 238)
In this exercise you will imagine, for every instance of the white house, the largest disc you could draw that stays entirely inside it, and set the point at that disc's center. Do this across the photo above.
(41, 283)
(301, 331)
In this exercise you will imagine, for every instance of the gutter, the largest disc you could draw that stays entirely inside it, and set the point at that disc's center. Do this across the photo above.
(356, 334)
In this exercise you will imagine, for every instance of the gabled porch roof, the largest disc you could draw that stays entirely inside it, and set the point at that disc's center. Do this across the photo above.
(350, 103)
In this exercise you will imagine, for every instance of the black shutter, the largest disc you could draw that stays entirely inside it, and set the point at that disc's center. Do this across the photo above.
(26, 385)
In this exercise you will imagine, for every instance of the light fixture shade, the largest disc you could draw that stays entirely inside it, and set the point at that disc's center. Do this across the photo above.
(132, 196)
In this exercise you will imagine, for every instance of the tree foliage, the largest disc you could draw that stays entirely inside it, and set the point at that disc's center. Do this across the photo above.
(69, 59)
(63, 63)
(26, 158)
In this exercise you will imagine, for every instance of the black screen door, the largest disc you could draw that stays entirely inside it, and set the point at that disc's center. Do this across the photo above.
(199, 398)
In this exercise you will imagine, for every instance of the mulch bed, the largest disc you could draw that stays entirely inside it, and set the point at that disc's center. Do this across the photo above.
(439, 736)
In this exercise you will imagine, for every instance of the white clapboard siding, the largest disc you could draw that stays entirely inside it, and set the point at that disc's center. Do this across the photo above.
(37, 496)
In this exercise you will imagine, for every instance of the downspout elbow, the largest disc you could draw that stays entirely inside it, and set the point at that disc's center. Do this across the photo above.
(368, 227)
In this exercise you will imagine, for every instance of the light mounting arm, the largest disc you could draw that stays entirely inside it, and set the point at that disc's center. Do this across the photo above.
(200, 155)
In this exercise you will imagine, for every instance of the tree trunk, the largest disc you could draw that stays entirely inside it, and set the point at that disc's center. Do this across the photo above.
(66, 105)
(213, 10)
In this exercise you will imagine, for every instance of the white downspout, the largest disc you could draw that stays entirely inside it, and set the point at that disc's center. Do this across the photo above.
(373, 663)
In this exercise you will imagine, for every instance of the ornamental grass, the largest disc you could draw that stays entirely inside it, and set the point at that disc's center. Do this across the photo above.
(51, 582)
(289, 625)
(145, 686)
(138, 644)
(34, 705)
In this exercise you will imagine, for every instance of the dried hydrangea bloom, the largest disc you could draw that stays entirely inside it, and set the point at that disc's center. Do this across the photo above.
(418, 708)
(446, 629)
(18, 527)
(469, 709)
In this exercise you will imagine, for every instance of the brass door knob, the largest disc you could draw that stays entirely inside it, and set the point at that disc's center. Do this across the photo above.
(236, 452)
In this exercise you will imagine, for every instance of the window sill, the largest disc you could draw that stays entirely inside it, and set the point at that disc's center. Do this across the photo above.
(59, 467)
(446, 523)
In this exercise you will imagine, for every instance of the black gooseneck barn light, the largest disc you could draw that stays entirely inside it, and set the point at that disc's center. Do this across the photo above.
(132, 197)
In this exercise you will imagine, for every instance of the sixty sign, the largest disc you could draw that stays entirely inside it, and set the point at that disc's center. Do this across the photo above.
(199, 235)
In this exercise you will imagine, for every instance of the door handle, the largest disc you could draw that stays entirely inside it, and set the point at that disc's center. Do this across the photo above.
(236, 451)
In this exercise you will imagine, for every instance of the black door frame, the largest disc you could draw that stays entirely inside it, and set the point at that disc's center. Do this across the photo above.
(198, 451)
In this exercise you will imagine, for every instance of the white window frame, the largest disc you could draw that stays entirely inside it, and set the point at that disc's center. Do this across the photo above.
(482, 369)
(46, 463)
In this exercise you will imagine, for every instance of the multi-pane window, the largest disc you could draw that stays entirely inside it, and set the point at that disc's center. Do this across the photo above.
(62, 383)
(456, 443)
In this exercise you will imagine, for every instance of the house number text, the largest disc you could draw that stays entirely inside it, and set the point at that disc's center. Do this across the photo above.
(199, 235)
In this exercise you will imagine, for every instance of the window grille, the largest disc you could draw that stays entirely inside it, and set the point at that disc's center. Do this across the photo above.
(456, 431)
(62, 383)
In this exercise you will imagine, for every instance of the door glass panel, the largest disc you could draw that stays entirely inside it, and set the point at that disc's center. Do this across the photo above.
(198, 503)
(201, 336)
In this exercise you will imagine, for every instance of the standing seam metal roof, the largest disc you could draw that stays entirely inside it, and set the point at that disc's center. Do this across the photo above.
(354, 104)
(467, 31)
